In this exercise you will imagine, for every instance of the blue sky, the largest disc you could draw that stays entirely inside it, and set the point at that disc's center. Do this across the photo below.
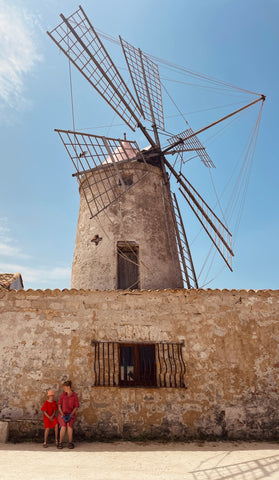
(233, 40)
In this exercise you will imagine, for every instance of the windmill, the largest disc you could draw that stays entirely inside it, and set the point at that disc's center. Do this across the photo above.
(127, 190)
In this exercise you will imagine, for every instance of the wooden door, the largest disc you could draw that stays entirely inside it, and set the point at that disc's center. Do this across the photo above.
(128, 267)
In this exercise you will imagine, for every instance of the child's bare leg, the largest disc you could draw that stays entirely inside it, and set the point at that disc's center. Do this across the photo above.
(46, 435)
(70, 434)
(62, 433)
(56, 432)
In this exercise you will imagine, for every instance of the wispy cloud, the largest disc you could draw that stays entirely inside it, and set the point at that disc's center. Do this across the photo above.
(38, 276)
(8, 247)
(18, 56)
(7, 250)
(12, 260)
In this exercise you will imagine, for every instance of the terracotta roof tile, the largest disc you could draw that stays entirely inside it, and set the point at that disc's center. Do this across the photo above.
(7, 279)
(192, 291)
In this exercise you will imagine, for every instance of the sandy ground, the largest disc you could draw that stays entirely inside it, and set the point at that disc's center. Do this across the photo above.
(144, 461)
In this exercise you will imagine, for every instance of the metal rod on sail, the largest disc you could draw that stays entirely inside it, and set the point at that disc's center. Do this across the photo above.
(190, 266)
(103, 69)
(149, 100)
(262, 98)
(103, 72)
(204, 215)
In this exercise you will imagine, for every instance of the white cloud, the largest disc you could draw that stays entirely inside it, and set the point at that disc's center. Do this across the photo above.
(18, 55)
(7, 247)
(39, 277)
(4, 232)
(7, 250)
(12, 260)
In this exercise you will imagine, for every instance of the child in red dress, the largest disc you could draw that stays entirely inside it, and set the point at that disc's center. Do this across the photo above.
(50, 421)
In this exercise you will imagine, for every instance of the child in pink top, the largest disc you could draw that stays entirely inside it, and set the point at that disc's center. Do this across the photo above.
(68, 404)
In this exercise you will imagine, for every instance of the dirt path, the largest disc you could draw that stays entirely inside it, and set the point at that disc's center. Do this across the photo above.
(141, 461)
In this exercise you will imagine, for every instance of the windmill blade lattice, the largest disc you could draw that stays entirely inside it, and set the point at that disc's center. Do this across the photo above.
(190, 143)
(79, 41)
(185, 257)
(179, 246)
(146, 80)
(96, 160)
(215, 229)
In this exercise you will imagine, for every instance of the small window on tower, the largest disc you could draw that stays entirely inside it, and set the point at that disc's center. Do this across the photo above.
(127, 179)
(127, 266)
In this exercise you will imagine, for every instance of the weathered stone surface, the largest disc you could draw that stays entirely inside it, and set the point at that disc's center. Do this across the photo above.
(4, 431)
(126, 220)
(230, 349)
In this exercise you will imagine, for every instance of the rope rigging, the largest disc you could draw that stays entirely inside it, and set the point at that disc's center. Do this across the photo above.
(251, 144)
(202, 76)
(238, 195)
(183, 70)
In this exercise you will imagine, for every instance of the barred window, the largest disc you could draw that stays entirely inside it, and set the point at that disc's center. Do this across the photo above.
(138, 364)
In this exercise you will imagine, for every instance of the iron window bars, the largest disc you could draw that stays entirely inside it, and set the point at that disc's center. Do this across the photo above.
(138, 365)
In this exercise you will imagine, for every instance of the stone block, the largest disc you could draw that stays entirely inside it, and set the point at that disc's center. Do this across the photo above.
(4, 431)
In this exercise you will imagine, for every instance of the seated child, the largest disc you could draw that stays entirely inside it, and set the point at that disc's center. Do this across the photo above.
(50, 421)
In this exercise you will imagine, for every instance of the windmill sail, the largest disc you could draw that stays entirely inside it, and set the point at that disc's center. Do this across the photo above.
(77, 38)
(97, 160)
(189, 145)
(146, 80)
(215, 229)
(185, 257)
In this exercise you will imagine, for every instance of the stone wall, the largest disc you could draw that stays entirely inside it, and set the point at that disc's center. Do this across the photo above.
(230, 347)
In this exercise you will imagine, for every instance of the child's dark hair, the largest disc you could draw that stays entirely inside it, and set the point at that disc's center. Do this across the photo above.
(68, 383)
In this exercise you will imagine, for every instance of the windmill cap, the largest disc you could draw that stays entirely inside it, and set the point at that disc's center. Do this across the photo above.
(50, 393)
(125, 151)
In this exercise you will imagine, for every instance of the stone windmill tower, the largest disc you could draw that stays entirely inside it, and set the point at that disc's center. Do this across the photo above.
(130, 232)
(130, 243)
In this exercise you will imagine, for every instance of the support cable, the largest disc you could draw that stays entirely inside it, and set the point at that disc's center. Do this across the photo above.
(202, 76)
(246, 166)
(239, 181)
(71, 88)
(183, 70)
(253, 147)
(72, 100)
(229, 92)
(207, 109)
(176, 106)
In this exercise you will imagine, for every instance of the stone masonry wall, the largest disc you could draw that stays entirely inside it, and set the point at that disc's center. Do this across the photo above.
(230, 349)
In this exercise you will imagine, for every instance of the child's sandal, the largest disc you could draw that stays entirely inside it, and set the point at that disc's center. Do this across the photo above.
(71, 445)
(45, 445)
(59, 445)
